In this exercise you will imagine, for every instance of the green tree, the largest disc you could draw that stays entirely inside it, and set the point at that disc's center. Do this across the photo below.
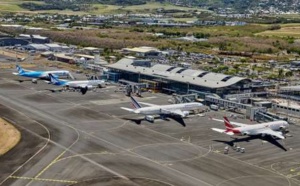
(280, 73)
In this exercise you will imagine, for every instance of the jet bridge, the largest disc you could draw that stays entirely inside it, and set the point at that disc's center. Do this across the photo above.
(267, 116)
(130, 87)
(225, 103)
(184, 98)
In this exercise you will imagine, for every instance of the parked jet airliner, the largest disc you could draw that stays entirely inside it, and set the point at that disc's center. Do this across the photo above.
(83, 86)
(44, 75)
(273, 128)
(181, 110)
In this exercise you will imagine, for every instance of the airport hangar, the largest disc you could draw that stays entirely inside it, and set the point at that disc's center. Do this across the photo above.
(171, 79)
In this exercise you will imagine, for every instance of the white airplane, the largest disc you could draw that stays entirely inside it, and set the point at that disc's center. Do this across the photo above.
(181, 110)
(44, 75)
(273, 128)
(83, 86)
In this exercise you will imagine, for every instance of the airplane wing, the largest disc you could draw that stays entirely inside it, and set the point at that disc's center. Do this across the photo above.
(234, 123)
(130, 110)
(271, 132)
(173, 112)
(222, 131)
(148, 104)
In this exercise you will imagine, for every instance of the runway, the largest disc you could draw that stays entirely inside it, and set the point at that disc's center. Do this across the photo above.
(71, 139)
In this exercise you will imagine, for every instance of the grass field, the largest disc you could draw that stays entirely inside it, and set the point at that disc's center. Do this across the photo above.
(154, 5)
(9, 136)
(12, 6)
(291, 30)
(147, 8)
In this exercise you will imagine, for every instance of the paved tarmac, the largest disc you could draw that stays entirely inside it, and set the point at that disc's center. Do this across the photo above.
(74, 139)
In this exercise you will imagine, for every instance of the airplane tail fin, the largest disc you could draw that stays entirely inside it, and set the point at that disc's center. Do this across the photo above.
(53, 79)
(135, 104)
(227, 123)
(19, 69)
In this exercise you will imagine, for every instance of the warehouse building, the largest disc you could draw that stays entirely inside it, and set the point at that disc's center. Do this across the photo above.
(54, 47)
(37, 47)
(34, 38)
(290, 92)
(148, 52)
(180, 80)
(10, 41)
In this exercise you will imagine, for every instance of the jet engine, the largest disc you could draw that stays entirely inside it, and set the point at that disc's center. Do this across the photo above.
(283, 129)
(34, 81)
(83, 90)
(245, 133)
(186, 113)
(101, 85)
(149, 118)
(89, 87)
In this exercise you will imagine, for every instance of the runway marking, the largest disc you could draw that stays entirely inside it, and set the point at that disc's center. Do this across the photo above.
(100, 153)
(52, 162)
(135, 156)
(49, 140)
(199, 155)
(160, 163)
(40, 150)
(290, 176)
(61, 146)
(253, 165)
(145, 178)
(253, 176)
(163, 165)
(44, 180)
(150, 160)
(87, 154)
(118, 127)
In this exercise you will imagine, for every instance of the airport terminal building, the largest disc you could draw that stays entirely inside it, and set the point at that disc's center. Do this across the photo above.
(171, 79)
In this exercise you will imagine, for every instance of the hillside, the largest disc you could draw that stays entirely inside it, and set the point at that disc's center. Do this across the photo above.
(245, 5)
(221, 6)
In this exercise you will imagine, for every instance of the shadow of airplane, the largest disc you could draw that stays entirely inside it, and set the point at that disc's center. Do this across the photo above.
(178, 120)
(138, 121)
(269, 139)
(22, 80)
(55, 90)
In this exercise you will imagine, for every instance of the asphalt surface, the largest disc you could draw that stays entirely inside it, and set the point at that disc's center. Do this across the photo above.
(74, 139)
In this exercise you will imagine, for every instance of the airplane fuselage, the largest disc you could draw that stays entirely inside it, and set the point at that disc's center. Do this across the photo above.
(255, 129)
(163, 109)
(43, 74)
(76, 84)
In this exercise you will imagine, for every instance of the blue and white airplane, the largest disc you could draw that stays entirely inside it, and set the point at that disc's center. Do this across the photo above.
(83, 85)
(44, 75)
